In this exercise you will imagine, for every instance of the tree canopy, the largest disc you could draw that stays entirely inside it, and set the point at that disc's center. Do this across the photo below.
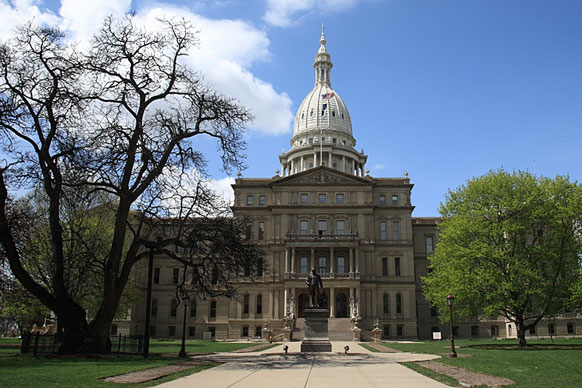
(111, 128)
(509, 245)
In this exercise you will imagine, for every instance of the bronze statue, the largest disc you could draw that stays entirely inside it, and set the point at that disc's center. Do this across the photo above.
(315, 287)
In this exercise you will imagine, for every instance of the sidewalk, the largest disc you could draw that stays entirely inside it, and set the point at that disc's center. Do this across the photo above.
(271, 368)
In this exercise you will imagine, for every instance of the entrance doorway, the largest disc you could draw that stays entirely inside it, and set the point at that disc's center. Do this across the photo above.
(341, 305)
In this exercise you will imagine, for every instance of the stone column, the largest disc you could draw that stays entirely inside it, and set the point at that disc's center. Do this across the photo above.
(351, 261)
(292, 260)
(351, 301)
(302, 163)
(357, 260)
(276, 304)
(272, 303)
(287, 260)
(329, 159)
(331, 302)
(374, 303)
(343, 163)
(312, 261)
(331, 261)
(315, 159)
(292, 166)
(359, 300)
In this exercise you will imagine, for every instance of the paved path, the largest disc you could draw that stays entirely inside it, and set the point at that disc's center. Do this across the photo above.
(272, 368)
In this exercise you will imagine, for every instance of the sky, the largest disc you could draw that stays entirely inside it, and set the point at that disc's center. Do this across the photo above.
(443, 89)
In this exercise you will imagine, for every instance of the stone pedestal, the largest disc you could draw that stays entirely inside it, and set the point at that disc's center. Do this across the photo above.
(287, 334)
(316, 336)
(356, 334)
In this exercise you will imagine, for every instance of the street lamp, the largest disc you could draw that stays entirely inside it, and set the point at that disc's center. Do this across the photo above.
(185, 296)
(450, 300)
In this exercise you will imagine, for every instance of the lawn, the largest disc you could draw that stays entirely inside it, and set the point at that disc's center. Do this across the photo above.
(20, 371)
(544, 364)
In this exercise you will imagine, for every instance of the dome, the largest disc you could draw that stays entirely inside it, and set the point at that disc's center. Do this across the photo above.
(322, 109)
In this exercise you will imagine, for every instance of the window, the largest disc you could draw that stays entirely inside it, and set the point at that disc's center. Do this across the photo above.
(259, 304)
(398, 304)
(303, 227)
(386, 304)
(113, 329)
(382, 199)
(262, 199)
(334, 140)
(191, 331)
(570, 327)
(397, 266)
(474, 331)
(322, 198)
(435, 329)
(386, 331)
(394, 199)
(213, 309)
(455, 331)
(156, 276)
(173, 307)
(322, 227)
(340, 227)
(532, 330)
(383, 233)
(152, 331)
(304, 197)
(245, 331)
(175, 275)
(154, 307)
(310, 139)
(339, 198)
(250, 199)
(384, 266)
(552, 327)
(341, 264)
(214, 279)
(246, 304)
(260, 266)
(303, 265)
(261, 230)
(434, 311)
(399, 330)
(258, 331)
(249, 230)
(193, 308)
(429, 244)
(322, 265)
(171, 331)
(396, 230)
(494, 331)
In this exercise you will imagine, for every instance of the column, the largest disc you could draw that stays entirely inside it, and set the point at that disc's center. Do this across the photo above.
(331, 302)
(292, 260)
(286, 296)
(329, 159)
(356, 259)
(352, 302)
(315, 159)
(351, 260)
(343, 163)
(312, 261)
(276, 304)
(331, 261)
(286, 260)
(302, 163)
(358, 298)
(272, 304)
(292, 166)
(374, 302)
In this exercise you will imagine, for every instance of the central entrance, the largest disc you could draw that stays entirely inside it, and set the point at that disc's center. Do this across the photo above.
(341, 305)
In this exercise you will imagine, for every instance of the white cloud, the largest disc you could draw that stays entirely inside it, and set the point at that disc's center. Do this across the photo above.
(223, 188)
(283, 13)
(378, 166)
(228, 49)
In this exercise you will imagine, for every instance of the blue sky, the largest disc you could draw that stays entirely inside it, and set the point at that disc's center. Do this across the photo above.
(446, 90)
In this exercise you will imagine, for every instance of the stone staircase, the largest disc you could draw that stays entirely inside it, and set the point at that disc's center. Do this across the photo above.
(339, 329)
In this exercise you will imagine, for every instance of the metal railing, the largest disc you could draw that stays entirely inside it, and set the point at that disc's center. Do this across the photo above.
(37, 344)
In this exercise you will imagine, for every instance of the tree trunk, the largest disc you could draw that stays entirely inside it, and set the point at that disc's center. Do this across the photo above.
(519, 326)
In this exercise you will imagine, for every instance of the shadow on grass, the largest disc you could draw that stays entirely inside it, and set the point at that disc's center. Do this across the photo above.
(528, 347)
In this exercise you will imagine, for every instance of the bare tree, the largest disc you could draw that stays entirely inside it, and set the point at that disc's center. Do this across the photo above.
(116, 121)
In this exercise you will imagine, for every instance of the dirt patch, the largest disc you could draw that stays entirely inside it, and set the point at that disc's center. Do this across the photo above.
(253, 348)
(382, 348)
(465, 377)
(145, 375)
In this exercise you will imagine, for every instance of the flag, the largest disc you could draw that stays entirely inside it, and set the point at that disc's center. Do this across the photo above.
(324, 106)
(327, 96)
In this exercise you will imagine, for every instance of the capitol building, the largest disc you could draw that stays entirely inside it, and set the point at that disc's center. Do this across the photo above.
(321, 210)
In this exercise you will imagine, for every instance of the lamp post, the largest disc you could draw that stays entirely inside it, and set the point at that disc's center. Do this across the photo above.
(185, 296)
(450, 300)
(146, 341)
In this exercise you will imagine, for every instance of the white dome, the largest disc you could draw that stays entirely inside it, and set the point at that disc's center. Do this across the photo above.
(312, 116)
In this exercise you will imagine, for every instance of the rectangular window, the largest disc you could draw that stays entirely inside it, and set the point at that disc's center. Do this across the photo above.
(429, 244)
(386, 304)
(258, 331)
(396, 230)
(340, 227)
(339, 198)
(246, 304)
(341, 264)
(552, 327)
(382, 199)
(249, 230)
(386, 331)
(394, 199)
(261, 230)
(262, 199)
(171, 331)
(303, 265)
(156, 276)
(494, 331)
(384, 266)
(154, 307)
(399, 330)
(398, 304)
(213, 309)
(245, 331)
(175, 275)
(322, 227)
(191, 331)
(383, 233)
(310, 141)
(322, 198)
(303, 227)
(322, 265)
(250, 199)
(260, 266)
(474, 331)
(397, 266)
(259, 304)
(193, 308)
(334, 140)
(570, 327)
(304, 197)
(173, 307)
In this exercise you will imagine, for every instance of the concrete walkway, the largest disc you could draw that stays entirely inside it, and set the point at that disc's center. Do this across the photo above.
(272, 368)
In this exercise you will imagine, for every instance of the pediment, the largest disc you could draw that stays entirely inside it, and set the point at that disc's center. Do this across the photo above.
(322, 175)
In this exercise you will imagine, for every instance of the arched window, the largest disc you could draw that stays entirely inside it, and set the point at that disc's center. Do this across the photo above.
(192, 308)
(246, 304)
(173, 307)
(213, 309)
(259, 304)
(154, 307)
(398, 304)
(386, 304)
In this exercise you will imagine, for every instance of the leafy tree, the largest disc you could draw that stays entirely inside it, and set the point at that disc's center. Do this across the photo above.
(117, 122)
(508, 245)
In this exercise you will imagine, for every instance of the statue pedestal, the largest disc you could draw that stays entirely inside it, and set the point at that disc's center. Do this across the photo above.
(316, 336)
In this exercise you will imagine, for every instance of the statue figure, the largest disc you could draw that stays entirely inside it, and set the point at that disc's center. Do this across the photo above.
(315, 286)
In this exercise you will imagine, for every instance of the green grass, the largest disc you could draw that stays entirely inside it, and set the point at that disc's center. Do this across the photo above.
(432, 374)
(542, 365)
